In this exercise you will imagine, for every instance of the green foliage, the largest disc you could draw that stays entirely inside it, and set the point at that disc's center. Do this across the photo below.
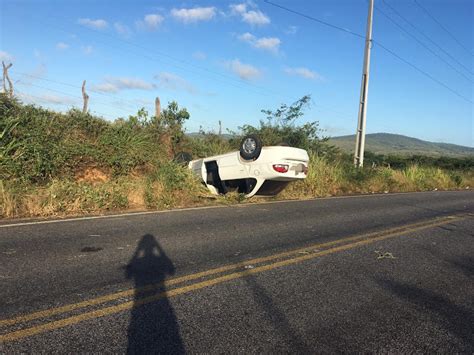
(404, 161)
(125, 146)
(206, 144)
(280, 127)
(38, 145)
(171, 122)
(45, 155)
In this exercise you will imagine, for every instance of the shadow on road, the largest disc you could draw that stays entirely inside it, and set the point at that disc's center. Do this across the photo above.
(153, 326)
(457, 319)
(281, 325)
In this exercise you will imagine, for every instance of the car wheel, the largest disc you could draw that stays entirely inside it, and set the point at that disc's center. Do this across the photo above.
(250, 147)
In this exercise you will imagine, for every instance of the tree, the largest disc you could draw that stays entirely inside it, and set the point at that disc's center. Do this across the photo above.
(280, 127)
(169, 126)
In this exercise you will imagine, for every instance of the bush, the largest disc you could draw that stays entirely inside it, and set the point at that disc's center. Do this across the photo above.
(280, 127)
(72, 163)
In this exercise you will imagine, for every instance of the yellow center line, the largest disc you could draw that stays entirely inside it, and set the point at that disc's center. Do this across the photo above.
(15, 335)
(128, 293)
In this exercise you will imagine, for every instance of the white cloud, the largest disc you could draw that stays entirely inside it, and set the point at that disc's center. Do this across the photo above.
(252, 17)
(37, 54)
(6, 56)
(122, 30)
(238, 8)
(271, 44)
(247, 37)
(194, 15)
(255, 18)
(304, 73)
(62, 46)
(244, 71)
(34, 75)
(98, 24)
(268, 43)
(174, 82)
(291, 30)
(144, 102)
(105, 87)
(199, 55)
(48, 99)
(39, 71)
(150, 22)
(116, 84)
(87, 50)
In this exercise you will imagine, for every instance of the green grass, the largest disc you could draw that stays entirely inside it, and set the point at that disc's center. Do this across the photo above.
(55, 164)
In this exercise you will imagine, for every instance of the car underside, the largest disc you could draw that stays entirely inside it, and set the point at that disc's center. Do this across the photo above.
(254, 170)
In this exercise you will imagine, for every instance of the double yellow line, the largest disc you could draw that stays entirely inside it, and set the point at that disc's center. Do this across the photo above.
(269, 263)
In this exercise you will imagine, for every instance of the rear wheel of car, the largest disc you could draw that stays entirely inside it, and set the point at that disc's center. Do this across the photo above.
(250, 147)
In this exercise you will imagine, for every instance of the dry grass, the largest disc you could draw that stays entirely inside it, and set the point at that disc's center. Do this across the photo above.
(335, 178)
(170, 186)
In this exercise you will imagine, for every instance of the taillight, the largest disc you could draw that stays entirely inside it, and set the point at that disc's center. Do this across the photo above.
(280, 168)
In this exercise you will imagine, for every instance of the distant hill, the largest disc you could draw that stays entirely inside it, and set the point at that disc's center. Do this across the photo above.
(386, 143)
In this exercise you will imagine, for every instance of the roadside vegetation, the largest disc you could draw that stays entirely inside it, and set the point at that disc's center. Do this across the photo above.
(73, 163)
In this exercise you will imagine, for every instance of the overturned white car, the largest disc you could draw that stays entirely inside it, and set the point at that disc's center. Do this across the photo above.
(254, 170)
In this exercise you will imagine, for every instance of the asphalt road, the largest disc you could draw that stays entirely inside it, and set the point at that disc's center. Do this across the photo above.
(380, 273)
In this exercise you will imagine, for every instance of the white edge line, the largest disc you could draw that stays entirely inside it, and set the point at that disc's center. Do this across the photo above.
(130, 214)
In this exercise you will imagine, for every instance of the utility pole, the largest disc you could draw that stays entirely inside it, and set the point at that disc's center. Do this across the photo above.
(157, 108)
(85, 98)
(360, 133)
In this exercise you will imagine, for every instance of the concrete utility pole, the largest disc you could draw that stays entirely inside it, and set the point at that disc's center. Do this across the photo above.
(85, 98)
(360, 133)
(157, 108)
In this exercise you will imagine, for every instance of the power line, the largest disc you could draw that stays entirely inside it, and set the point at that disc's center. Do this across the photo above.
(427, 37)
(386, 49)
(24, 94)
(325, 108)
(76, 87)
(267, 93)
(76, 97)
(423, 45)
(444, 28)
(315, 19)
(422, 71)
(39, 98)
(156, 54)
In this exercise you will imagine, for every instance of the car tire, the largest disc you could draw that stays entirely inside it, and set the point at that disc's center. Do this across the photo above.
(250, 147)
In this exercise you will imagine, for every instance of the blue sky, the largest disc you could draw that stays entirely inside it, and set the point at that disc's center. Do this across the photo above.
(227, 60)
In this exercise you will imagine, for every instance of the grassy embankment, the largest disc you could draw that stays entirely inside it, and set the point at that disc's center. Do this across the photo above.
(58, 164)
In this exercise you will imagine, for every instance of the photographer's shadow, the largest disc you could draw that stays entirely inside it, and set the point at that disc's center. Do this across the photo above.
(153, 326)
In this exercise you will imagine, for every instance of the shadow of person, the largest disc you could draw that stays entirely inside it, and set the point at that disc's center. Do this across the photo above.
(153, 326)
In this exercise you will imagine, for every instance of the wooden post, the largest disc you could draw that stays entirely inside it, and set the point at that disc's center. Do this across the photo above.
(157, 108)
(6, 79)
(85, 97)
(220, 128)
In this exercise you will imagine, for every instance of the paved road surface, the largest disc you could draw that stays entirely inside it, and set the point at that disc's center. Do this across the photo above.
(384, 273)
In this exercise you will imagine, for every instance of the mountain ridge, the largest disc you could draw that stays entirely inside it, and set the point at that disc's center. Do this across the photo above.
(390, 143)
